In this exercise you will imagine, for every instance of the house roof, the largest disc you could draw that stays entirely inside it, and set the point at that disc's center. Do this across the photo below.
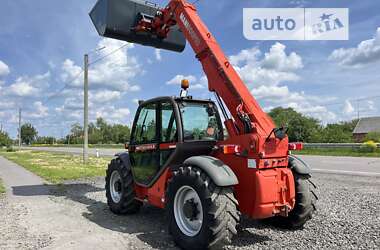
(366, 125)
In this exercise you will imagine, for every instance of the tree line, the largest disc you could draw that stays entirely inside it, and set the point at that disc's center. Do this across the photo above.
(301, 128)
(99, 132)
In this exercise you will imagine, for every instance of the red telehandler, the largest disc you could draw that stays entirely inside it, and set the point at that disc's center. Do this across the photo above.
(179, 156)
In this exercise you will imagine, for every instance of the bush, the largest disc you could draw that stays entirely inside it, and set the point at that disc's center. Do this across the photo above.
(10, 149)
(368, 147)
(372, 136)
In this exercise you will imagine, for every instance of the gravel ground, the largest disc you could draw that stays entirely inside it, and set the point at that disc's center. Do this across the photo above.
(13, 233)
(348, 218)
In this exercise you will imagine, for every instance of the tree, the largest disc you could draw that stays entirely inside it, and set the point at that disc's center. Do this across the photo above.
(100, 132)
(5, 141)
(76, 134)
(372, 136)
(45, 140)
(336, 133)
(301, 127)
(28, 133)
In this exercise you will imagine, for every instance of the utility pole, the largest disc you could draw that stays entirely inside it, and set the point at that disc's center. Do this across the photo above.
(19, 128)
(85, 112)
(358, 107)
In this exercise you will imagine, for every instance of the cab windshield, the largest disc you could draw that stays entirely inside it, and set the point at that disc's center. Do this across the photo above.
(200, 121)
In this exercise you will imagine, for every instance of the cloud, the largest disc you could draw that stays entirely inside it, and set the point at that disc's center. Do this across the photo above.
(157, 53)
(371, 106)
(114, 72)
(367, 51)
(277, 59)
(274, 68)
(70, 74)
(266, 76)
(26, 86)
(39, 111)
(348, 108)
(104, 96)
(112, 114)
(195, 83)
(4, 69)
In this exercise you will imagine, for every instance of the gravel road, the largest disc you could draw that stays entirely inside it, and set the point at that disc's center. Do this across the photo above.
(75, 216)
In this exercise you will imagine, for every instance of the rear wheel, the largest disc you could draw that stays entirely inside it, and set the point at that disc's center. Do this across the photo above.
(120, 189)
(201, 214)
(304, 207)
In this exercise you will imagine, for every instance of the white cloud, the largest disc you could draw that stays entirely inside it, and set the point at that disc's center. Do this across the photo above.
(267, 75)
(371, 105)
(39, 111)
(178, 78)
(195, 83)
(70, 74)
(367, 51)
(4, 69)
(104, 96)
(112, 114)
(28, 86)
(157, 53)
(277, 59)
(274, 68)
(348, 108)
(114, 72)
(246, 56)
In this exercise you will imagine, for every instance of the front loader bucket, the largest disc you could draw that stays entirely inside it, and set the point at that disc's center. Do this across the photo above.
(117, 18)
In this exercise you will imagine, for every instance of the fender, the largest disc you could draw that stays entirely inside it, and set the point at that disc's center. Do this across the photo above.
(299, 166)
(124, 157)
(220, 173)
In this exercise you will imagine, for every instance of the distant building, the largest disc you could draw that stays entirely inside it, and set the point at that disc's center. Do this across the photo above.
(364, 126)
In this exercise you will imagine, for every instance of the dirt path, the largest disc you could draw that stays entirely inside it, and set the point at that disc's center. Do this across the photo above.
(34, 215)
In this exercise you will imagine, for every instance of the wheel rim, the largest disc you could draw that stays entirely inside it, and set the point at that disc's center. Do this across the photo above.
(188, 211)
(115, 186)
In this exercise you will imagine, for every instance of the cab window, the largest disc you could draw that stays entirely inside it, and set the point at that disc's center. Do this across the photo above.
(200, 121)
(145, 131)
(168, 123)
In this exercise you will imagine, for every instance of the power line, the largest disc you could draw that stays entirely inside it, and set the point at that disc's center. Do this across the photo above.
(107, 55)
(63, 88)
(353, 100)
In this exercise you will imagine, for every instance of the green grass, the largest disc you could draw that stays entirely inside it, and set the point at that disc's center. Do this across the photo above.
(121, 146)
(55, 167)
(336, 152)
(2, 188)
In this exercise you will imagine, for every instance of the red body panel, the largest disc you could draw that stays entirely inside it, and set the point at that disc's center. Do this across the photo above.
(266, 185)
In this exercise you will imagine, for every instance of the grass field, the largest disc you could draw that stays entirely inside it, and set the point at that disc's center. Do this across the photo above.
(336, 152)
(2, 188)
(121, 146)
(55, 167)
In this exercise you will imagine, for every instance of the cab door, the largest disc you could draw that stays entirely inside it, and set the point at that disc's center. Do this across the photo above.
(168, 131)
(144, 145)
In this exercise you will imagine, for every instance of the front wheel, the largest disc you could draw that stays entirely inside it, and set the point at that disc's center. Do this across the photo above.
(120, 189)
(201, 214)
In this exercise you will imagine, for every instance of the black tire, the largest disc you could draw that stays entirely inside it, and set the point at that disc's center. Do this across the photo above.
(220, 210)
(305, 204)
(127, 204)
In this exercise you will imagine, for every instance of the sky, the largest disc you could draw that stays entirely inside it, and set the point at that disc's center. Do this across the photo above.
(42, 43)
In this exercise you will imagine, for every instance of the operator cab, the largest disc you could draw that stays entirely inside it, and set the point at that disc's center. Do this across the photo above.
(168, 130)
